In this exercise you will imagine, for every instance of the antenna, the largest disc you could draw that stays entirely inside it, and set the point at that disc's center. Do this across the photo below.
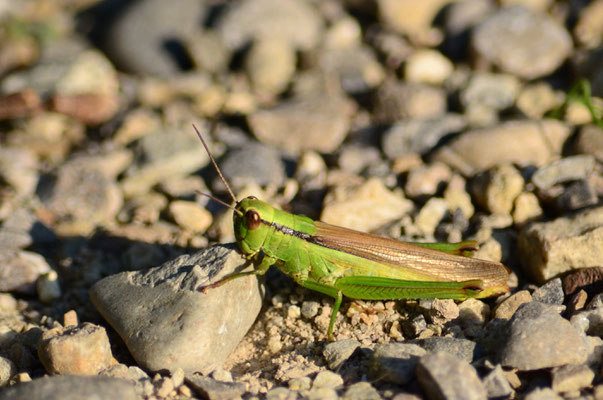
(216, 166)
(219, 201)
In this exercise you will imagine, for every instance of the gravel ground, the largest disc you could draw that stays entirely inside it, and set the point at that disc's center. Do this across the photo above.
(420, 121)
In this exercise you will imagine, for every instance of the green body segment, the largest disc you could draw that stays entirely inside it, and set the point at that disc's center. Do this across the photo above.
(351, 266)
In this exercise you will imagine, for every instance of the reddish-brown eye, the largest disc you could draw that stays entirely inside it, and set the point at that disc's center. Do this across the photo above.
(252, 197)
(253, 220)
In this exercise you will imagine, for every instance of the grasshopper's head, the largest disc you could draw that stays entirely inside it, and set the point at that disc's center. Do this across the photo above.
(252, 218)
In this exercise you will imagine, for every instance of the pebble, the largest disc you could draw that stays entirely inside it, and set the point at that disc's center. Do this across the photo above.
(20, 269)
(535, 100)
(457, 197)
(410, 18)
(428, 66)
(396, 101)
(590, 141)
(252, 163)
(320, 123)
(396, 362)
(548, 249)
(497, 189)
(163, 155)
(18, 169)
(300, 384)
(522, 42)
(587, 30)
(71, 387)
(419, 135)
(338, 352)
(542, 394)
(443, 376)
(526, 209)
(167, 323)
(494, 91)
(529, 341)
(79, 350)
(589, 321)
(190, 215)
(357, 68)
(564, 170)
(508, 306)
(137, 40)
(583, 278)
(293, 21)
(361, 390)
(80, 196)
(365, 207)
(431, 214)
(209, 388)
(7, 371)
(327, 379)
(550, 293)
(280, 393)
(462, 349)
(48, 287)
(519, 142)
(270, 64)
(496, 383)
(570, 378)
(473, 312)
(425, 181)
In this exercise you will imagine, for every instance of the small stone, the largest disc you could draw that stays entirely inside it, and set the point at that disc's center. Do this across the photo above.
(48, 287)
(570, 378)
(589, 321)
(410, 136)
(497, 189)
(590, 141)
(473, 312)
(163, 387)
(252, 163)
(530, 342)
(190, 215)
(526, 208)
(270, 64)
(519, 142)
(211, 389)
(7, 371)
(320, 124)
(550, 293)
(7, 303)
(361, 390)
(583, 278)
(356, 67)
(497, 384)
(548, 249)
(399, 100)
(577, 301)
(577, 195)
(410, 18)
(522, 42)
(280, 393)
(495, 91)
(567, 169)
(18, 169)
(322, 394)
(396, 362)
(338, 352)
(443, 376)
(428, 66)
(462, 349)
(309, 309)
(536, 99)
(295, 22)
(431, 214)
(457, 197)
(507, 307)
(365, 207)
(19, 270)
(222, 375)
(427, 180)
(327, 379)
(542, 394)
(299, 384)
(71, 387)
(80, 350)
(178, 377)
(443, 311)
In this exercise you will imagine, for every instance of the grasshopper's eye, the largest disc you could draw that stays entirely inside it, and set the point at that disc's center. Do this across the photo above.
(253, 220)
(252, 197)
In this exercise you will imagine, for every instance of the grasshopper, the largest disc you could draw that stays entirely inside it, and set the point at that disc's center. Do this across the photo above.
(342, 262)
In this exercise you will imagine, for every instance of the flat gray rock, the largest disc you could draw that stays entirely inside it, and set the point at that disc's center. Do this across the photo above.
(539, 337)
(71, 387)
(167, 323)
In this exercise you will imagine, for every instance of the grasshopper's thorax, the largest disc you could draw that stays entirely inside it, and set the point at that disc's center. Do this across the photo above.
(251, 222)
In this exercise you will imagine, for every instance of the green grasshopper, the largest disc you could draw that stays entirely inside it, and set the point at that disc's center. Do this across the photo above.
(342, 262)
